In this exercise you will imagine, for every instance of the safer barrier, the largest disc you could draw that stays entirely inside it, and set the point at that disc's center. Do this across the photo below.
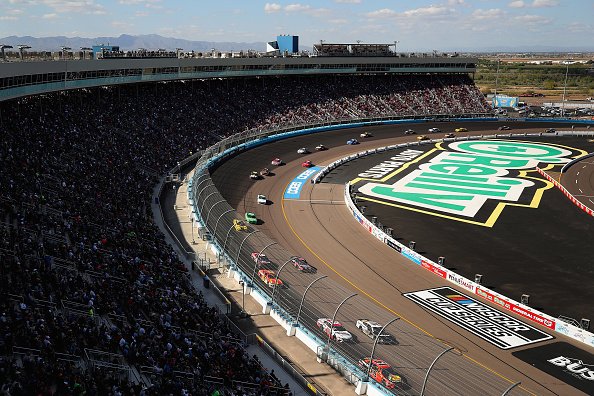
(467, 284)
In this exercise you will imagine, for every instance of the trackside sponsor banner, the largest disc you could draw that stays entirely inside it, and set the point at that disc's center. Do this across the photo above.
(563, 361)
(293, 190)
(411, 255)
(461, 281)
(434, 268)
(511, 306)
(491, 325)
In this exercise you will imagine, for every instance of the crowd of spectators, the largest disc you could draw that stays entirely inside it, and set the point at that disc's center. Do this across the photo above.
(93, 301)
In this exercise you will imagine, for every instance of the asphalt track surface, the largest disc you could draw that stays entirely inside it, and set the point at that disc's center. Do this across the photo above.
(579, 180)
(321, 230)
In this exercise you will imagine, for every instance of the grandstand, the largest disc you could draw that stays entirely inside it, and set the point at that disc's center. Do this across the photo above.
(93, 299)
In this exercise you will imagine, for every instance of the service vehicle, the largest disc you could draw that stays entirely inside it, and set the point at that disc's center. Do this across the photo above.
(434, 130)
(352, 141)
(335, 330)
(302, 265)
(254, 175)
(504, 128)
(265, 172)
(371, 329)
(302, 150)
(409, 132)
(251, 218)
(365, 135)
(269, 277)
(262, 200)
(381, 371)
(261, 259)
(239, 226)
(321, 147)
(307, 164)
(449, 135)
(276, 162)
(422, 137)
(461, 129)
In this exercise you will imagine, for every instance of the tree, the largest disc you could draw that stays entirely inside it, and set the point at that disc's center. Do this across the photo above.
(549, 84)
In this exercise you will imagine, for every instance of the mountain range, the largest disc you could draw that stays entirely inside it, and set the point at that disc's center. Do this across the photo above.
(128, 42)
(155, 41)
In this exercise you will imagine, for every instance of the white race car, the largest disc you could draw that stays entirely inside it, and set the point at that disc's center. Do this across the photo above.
(434, 130)
(302, 150)
(262, 200)
(336, 332)
(371, 329)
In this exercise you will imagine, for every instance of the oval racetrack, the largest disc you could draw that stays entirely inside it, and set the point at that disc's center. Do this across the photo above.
(319, 228)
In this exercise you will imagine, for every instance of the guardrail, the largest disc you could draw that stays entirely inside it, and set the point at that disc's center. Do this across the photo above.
(569, 195)
(500, 300)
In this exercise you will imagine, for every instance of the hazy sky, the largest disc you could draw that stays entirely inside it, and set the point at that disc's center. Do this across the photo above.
(416, 24)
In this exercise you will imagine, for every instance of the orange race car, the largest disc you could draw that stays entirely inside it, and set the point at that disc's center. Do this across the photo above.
(381, 371)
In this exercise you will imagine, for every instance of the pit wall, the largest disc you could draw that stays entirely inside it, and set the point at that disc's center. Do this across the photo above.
(499, 300)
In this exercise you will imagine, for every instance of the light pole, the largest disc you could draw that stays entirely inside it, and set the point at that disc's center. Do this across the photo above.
(377, 337)
(496, 82)
(395, 44)
(564, 88)
(192, 220)
(331, 332)
(22, 48)
(276, 280)
(243, 313)
(431, 366)
(64, 50)
(4, 47)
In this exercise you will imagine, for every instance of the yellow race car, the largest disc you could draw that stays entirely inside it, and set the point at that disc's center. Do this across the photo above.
(460, 130)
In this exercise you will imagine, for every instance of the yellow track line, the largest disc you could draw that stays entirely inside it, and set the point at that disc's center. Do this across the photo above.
(381, 304)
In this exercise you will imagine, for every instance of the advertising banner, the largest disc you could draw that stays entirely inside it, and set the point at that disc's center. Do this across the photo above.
(491, 325)
(293, 190)
(514, 307)
(434, 268)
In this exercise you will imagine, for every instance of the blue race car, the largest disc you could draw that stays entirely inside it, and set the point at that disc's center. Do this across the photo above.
(352, 141)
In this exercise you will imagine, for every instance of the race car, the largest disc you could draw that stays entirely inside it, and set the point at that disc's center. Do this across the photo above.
(321, 147)
(409, 132)
(238, 225)
(371, 329)
(302, 150)
(269, 277)
(307, 164)
(381, 371)
(352, 141)
(265, 172)
(337, 331)
(550, 130)
(260, 259)
(254, 175)
(503, 128)
(276, 162)
(262, 200)
(251, 218)
(422, 137)
(434, 130)
(365, 135)
(302, 265)
(449, 135)
(460, 130)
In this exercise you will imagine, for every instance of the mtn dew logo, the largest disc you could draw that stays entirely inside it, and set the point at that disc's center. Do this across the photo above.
(468, 176)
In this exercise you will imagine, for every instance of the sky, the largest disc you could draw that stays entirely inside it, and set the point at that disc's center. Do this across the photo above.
(442, 25)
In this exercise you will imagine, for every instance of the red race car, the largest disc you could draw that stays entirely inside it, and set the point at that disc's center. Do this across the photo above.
(269, 277)
(306, 164)
(381, 371)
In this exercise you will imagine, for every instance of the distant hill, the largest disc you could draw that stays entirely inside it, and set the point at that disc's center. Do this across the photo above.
(128, 42)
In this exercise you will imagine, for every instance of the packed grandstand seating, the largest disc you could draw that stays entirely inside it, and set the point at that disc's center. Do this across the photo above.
(93, 301)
